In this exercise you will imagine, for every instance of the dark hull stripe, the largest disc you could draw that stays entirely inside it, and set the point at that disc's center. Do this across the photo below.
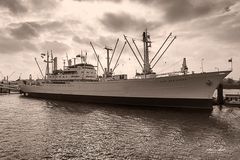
(158, 102)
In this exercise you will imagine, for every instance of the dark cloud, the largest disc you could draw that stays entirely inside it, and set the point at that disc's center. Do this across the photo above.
(43, 5)
(185, 10)
(41, 25)
(29, 6)
(10, 45)
(81, 40)
(115, 1)
(99, 44)
(52, 25)
(29, 30)
(55, 46)
(123, 22)
(24, 31)
(14, 6)
(101, 41)
(223, 28)
(227, 33)
(108, 41)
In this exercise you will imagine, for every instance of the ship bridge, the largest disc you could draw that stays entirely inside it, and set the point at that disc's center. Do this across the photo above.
(83, 65)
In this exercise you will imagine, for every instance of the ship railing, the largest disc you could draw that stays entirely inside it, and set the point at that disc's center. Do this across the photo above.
(176, 73)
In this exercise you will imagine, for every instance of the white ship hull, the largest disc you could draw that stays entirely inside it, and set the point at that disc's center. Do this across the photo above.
(194, 90)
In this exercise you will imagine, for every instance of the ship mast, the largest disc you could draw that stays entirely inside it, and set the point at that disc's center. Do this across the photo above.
(47, 61)
(146, 45)
(107, 72)
(147, 67)
(52, 61)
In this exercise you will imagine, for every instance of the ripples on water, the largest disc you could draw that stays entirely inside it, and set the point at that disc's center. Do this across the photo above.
(41, 129)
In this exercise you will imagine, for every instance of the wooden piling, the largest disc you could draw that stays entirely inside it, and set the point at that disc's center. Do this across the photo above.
(9, 91)
(1, 90)
(220, 99)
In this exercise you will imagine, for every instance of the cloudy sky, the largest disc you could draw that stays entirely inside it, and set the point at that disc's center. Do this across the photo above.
(207, 32)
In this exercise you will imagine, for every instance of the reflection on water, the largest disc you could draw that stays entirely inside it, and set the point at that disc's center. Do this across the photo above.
(41, 129)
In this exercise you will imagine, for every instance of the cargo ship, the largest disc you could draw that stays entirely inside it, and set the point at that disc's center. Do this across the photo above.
(81, 82)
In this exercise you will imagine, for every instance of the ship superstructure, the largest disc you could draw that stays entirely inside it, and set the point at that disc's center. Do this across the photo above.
(81, 82)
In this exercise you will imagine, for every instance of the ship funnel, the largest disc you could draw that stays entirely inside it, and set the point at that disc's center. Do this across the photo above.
(55, 63)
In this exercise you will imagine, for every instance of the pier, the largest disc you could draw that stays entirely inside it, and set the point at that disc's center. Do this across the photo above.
(226, 99)
(8, 88)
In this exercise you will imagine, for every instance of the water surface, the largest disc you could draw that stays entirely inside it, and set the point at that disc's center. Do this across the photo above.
(44, 129)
